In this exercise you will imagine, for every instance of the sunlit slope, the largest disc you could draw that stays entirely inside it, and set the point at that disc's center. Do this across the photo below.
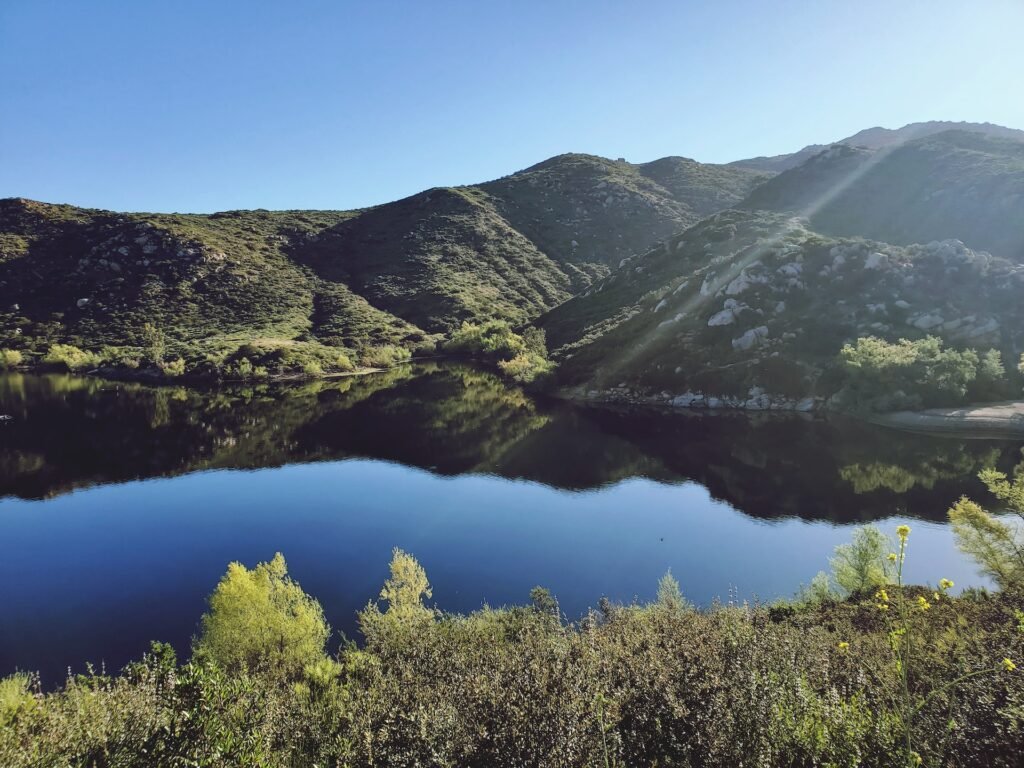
(760, 300)
(877, 138)
(955, 184)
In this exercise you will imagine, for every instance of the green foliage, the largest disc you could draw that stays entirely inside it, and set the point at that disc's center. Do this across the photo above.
(670, 596)
(526, 367)
(997, 545)
(863, 565)
(10, 359)
(523, 358)
(991, 382)
(634, 685)
(154, 342)
(173, 368)
(384, 356)
(16, 697)
(261, 620)
(70, 358)
(908, 374)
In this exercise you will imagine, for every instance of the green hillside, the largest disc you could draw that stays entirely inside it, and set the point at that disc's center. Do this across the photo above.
(752, 309)
(955, 184)
(319, 291)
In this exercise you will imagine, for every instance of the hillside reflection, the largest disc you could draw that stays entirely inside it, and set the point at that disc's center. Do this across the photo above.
(68, 432)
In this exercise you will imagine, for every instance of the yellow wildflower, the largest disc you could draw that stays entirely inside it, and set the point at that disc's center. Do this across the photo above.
(916, 758)
(843, 646)
(903, 531)
(882, 595)
(892, 557)
(945, 584)
(923, 604)
(1008, 665)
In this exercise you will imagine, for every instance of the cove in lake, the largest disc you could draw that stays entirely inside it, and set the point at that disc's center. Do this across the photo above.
(115, 525)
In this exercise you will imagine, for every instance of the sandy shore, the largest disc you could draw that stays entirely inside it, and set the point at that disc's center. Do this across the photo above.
(988, 420)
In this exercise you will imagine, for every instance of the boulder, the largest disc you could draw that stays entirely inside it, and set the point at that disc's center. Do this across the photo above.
(752, 338)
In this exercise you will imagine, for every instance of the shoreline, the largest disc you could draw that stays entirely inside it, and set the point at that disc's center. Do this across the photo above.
(984, 420)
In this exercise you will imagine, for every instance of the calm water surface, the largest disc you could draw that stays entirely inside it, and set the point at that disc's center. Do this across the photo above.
(121, 504)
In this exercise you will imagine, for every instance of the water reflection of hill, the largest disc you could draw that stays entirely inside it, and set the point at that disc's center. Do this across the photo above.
(73, 432)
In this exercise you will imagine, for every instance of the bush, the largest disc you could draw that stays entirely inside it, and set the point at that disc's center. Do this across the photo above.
(997, 546)
(522, 358)
(70, 358)
(173, 368)
(383, 356)
(526, 367)
(9, 359)
(880, 376)
(261, 620)
(863, 565)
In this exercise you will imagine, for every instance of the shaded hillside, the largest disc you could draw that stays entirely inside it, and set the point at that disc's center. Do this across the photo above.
(876, 138)
(438, 258)
(96, 278)
(753, 306)
(399, 275)
(586, 210)
(950, 185)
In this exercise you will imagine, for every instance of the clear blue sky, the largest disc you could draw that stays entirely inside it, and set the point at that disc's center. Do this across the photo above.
(203, 105)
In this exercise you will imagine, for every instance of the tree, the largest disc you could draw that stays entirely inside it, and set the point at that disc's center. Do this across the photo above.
(863, 564)
(908, 374)
(991, 381)
(262, 620)
(670, 596)
(996, 545)
(155, 342)
(404, 593)
(544, 602)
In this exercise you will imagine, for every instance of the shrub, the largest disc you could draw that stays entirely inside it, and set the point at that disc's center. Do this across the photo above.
(15, 697)
(880, 376)
(522, 358)
(261, 620)
(383, 356)
(525, 367)
(9, 359)
(862, 565)
(996, 545)
(492, 339)
(70, 358)
(173, 368)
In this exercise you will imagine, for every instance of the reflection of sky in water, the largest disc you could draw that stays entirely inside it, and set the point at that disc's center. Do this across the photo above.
(98, 573)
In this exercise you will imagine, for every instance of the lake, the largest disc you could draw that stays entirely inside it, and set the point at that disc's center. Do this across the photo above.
(121, 504)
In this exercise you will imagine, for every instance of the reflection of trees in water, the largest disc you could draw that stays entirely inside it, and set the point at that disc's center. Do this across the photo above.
(69, 432)
(946, 463)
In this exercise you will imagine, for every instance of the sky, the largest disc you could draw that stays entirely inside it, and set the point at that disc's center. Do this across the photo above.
(205, 105)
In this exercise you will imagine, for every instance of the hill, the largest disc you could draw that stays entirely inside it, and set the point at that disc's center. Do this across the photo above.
(955, 184)
(751, 308)
(876, 138)
(305, 290)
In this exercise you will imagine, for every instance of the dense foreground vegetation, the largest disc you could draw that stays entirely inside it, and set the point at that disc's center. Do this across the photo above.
(858, 670)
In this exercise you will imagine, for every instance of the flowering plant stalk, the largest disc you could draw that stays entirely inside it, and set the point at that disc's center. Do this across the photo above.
(901, 631)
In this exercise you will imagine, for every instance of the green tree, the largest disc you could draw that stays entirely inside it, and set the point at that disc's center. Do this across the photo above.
(262, 620)
(155, 342)
(670, 596)
(990, 383)
(863, 564)
(997, 545)
(908, 374)
(404, 594)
